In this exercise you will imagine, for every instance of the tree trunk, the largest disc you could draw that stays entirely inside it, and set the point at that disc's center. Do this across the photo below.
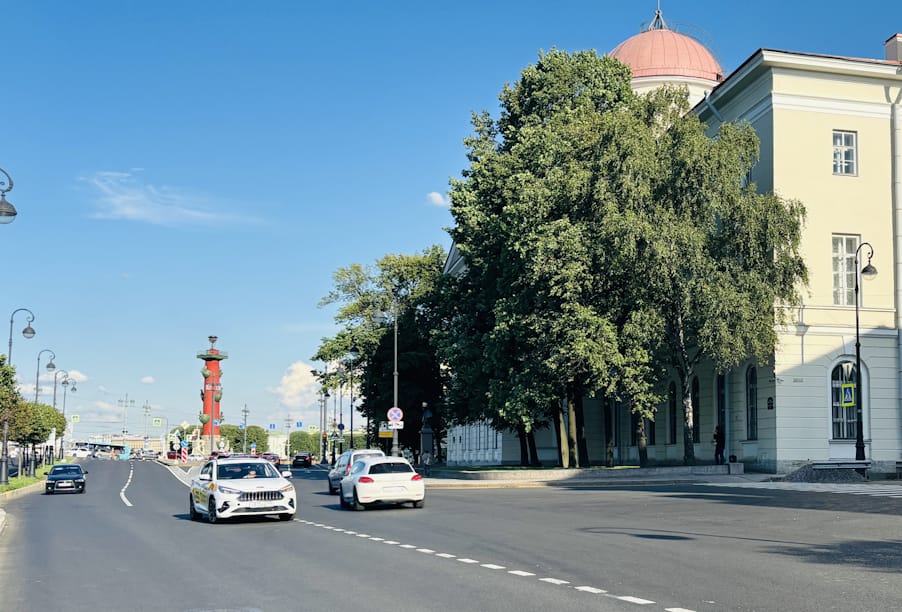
(524, 450)
(608, 434)
(560, 429)
(581, 443)
(688, 442)
(642, 442)
(572, 433)
(533, 450)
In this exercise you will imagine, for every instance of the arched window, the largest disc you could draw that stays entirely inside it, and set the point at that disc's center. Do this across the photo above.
(844, 417)
(672, 415)
(751, 403)
(695, 410)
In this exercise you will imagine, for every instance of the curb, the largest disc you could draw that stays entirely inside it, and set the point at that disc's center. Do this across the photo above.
(559, 484)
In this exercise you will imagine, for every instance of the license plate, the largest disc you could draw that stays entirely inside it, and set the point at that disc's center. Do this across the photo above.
(393, 489)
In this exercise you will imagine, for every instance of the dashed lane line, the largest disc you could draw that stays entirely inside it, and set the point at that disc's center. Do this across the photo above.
(492, 566)
(131, 472)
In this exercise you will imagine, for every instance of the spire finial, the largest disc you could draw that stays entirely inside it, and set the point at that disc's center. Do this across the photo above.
(658, 22)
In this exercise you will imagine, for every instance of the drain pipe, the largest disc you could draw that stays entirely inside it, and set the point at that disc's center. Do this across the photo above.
(896, 194)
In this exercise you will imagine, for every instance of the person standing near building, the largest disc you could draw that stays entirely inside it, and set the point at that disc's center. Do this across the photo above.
(719, 443)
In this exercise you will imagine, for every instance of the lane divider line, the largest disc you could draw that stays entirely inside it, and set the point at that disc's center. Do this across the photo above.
(131, 472)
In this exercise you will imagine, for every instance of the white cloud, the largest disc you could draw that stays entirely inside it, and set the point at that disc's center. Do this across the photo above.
(437, 199)
(122, 195)
(148, 380)
(298, 387)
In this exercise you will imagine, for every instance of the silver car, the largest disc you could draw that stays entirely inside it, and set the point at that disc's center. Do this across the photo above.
(344, 462)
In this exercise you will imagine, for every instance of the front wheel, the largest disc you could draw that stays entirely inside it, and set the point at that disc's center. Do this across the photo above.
(212, 517)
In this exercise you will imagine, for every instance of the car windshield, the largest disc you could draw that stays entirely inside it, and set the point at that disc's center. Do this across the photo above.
(66, 469)
(257, 469)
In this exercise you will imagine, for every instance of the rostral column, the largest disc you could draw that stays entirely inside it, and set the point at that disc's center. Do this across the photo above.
(212, 391)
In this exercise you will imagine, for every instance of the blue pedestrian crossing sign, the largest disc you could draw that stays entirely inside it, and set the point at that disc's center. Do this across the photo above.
(272, 425)
(298, 424)
(240, 425)
(253, 446)
(848, 395)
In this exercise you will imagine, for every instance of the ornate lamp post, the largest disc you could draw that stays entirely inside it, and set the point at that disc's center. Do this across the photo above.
(868, 272)
(7, 210)
(37, 392)
(65, 383)
(28, 333)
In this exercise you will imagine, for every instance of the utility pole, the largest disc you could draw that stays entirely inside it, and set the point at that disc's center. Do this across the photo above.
(244, 412)
(146, 413)
(288, 436)
(124, 405)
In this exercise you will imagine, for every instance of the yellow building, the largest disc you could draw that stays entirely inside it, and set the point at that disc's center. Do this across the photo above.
(831, 136)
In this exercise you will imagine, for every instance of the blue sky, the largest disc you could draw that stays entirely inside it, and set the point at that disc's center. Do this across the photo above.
(185, 169)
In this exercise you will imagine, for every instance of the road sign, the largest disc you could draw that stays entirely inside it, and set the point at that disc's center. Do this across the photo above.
(396, 424)
(848, 395)
(253, 446)
(335, 437)
(76, 418)
(157, 422)
(298, 424)
(216, 422)
(272, 425)
(395, 414)
(184, 444)
(240, 425)
(312, 428)
(341, 427)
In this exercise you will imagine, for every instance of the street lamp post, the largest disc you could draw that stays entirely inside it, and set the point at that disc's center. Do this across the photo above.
(65, 383)
(868, 272)
(28, 333)
(244, 412)
(55, 376)
(37, 391)
(7, 210)
(381, 317)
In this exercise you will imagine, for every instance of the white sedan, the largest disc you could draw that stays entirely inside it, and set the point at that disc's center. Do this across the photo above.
(226, 488)
(382, 480)
(81, 453)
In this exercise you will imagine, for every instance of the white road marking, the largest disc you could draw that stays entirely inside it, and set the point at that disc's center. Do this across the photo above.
(677, 610)
(445, 555)
(491, 566)
(554, 580)
(377, 539)
(389, 542)
(465, 560)
(131, 472)
(635, 600)
(589, 589)
(520, 573)
(428, 551)
(407, 546)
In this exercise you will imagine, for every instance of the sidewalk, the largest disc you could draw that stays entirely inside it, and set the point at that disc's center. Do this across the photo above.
(591, 477)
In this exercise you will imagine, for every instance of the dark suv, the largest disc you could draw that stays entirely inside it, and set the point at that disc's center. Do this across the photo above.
(302, 460)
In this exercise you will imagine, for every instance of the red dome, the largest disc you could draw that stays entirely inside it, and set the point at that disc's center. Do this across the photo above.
(664, 52)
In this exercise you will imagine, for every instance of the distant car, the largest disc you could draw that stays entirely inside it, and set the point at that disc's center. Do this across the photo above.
(81, 453)
(173, 454)
(344, 462)
(382, 480)
(302, 460)
(218, 455)
(69, 477)
(227, 488)
(195, 457)
(273, 458)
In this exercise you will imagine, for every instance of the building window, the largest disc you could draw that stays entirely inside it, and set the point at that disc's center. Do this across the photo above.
(844, 247)
(845, 153)
(844, 417)
(751, 403)
(695, 410)
(672, 414)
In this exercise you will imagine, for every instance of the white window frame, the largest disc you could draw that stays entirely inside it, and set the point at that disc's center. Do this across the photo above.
(842, 249)
(845, 153)
(843, 420)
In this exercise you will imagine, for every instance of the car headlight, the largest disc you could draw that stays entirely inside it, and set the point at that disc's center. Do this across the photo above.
(229, 490)
(287, 488)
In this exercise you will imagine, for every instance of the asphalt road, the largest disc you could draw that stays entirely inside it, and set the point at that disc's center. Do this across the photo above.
(652, 548)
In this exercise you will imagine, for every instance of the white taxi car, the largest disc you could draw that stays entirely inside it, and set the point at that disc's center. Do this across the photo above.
(381, 480)
(226, 488)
